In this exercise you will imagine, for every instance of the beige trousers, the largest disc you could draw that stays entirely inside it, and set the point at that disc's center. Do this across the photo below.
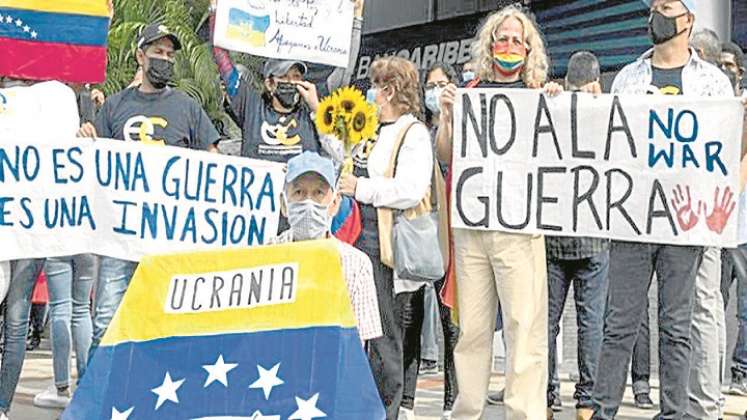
(489, 266)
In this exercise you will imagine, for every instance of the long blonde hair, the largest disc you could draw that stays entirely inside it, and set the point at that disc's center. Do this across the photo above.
(535, 69)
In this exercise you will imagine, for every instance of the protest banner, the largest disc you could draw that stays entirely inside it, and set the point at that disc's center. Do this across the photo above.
(317, 31)
(655, 169)
(129, 199)
(61, 40)
(262, 333)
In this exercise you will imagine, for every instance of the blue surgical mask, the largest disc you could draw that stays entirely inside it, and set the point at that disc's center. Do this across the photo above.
(371, 95)
(468, 76)
(432, 97)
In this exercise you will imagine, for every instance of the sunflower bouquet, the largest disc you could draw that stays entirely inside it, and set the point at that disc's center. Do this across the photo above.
(348, 116)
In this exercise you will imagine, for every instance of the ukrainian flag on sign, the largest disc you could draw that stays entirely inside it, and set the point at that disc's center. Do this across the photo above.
(61, 40)
(266, 333)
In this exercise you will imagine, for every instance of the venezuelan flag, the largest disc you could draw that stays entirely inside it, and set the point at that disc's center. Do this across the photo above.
(61, 40)
(346, 225)
(266, 333)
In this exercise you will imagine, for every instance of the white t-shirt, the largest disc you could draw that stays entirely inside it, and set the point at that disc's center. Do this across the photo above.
(44, 110)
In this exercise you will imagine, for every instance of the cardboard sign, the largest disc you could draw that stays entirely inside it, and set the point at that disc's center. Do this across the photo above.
(317, 31)
(657, 169)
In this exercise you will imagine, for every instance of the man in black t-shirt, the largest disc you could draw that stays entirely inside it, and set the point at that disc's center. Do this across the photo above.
(154, 113)
(666, 81)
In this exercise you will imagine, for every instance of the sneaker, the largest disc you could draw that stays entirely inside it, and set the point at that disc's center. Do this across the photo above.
(738, 386)
(50, 398)
(33, 343)
(496, 398)
(446, 415)
(556, 404)
(428, 367)
(406, 414)
(3, 416)
(643, 401)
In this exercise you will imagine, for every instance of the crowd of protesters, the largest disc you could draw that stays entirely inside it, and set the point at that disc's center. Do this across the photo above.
(511, 282)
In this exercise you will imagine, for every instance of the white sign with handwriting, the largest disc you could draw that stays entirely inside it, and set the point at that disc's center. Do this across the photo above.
(308, 30)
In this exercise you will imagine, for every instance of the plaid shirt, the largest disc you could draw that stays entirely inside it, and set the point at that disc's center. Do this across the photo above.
(567, 248)
(358, 272)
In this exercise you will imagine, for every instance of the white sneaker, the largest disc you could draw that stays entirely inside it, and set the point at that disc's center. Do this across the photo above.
(49, 398)
(3, 416)
(406, 414)
(447, 415)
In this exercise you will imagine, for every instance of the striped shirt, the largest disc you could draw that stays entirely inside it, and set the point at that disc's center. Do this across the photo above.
(358, 273)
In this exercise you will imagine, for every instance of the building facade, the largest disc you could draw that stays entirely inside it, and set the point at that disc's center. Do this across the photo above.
(427, 31)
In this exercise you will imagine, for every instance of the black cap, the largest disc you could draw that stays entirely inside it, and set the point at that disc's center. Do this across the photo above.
(279, 68)
(154, 32)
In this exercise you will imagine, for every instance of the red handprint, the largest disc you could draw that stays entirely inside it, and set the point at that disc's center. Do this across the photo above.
(721, 213)
(686, 216)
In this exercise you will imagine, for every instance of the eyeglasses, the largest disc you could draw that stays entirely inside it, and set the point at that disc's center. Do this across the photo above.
(442, 84)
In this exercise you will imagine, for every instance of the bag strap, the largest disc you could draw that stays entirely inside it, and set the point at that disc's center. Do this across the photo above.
(392, 170)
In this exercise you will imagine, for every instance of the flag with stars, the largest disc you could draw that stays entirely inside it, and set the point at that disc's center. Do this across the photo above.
(61, 40)
(262, 333)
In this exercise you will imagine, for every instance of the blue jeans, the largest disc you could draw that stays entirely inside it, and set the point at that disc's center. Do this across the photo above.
(730, 271)
(18, 308)
(631, 268)
(70, 281)
(114, 278)
(589, 279)
(429, 344)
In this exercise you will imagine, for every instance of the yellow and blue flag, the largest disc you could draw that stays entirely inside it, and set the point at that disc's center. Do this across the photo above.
(262, 333)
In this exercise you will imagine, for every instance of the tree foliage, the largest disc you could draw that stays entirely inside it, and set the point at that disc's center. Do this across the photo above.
(195, 72)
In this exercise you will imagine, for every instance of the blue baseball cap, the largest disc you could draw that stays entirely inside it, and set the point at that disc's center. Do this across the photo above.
(311, 162)
(690, 4)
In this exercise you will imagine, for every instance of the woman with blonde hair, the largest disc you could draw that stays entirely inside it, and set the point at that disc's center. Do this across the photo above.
(390, 174)
(509, 53)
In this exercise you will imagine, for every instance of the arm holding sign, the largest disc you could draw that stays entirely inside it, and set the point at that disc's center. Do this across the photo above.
(238, 86)
(444, 135)
(341, 76)
(100, 126)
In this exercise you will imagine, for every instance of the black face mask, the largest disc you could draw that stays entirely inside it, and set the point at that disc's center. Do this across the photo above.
(287, 95)
(662, 28)
(160, 72)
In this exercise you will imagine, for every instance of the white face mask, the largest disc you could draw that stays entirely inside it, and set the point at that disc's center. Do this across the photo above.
(309, 220)
(432, 97)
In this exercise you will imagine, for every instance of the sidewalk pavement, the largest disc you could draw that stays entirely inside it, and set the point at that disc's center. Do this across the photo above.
(37, 375)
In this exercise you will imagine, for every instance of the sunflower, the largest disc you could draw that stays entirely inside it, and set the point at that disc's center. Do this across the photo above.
(363, 123)
(347, 99)
(326, 116)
